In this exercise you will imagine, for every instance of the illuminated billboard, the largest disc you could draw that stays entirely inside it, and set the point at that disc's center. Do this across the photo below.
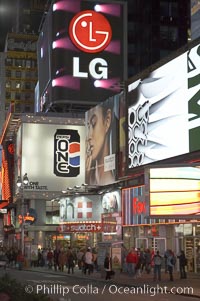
(174, 192)
(78, 48)
(53, 156)
(101, 142)
(79, 208)
(163, 111)
(135, 208)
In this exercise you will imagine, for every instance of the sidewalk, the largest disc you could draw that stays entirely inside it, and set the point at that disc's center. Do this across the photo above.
(189, 286)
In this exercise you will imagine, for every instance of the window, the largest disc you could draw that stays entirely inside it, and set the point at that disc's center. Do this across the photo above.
(8, 73)
(8, 95)
(18, 74)
(8, 62)
(8, 84)
(27, 85)
(18, 63)
(17, 96)
(52, 212)
(169, 33)
(18, 85)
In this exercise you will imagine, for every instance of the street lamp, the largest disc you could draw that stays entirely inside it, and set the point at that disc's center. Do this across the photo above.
(21, 184)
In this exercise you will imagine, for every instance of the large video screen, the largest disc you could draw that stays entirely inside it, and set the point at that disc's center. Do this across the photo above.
(163, 111)
(174, 192)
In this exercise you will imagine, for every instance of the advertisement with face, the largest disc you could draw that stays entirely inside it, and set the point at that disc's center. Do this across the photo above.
(111, 202)
(101, 142)
(163, 113)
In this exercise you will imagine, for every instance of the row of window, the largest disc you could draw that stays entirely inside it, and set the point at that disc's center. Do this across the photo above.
(19, 107)
(20, 85)
(22, 96)
(21, 63)
(21, 74)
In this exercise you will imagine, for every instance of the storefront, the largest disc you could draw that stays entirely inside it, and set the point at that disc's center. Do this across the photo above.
(91, 218)
(163, 213)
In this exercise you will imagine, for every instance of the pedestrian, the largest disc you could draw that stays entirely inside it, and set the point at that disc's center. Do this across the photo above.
(166, 254)
(131, 260)
(80, 259)
(182, 264)
(50, 259)
(70, 261)
(56, 253)
(88, 262)
(157, 259)
(147, 256)
(107, 266)
(20, 260)
(139, 263)
(170, 264)
(62, 259)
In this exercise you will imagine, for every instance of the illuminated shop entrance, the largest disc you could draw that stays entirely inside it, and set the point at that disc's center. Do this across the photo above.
(142, 243)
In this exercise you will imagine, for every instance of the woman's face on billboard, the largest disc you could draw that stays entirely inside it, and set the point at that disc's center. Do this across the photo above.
(98, 126)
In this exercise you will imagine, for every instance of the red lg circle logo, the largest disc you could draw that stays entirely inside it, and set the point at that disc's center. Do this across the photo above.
(90, 31)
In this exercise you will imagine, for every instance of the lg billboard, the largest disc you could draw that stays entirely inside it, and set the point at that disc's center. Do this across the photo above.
(82, 51)
(163, 111)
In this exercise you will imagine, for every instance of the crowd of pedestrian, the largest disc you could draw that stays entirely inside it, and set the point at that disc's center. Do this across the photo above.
(62, 258)
(137, 262)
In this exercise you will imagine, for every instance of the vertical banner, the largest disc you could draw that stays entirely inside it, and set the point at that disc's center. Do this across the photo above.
(101, 142)
(116, 258)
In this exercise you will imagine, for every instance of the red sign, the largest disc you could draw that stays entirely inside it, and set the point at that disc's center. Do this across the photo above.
(80, 227)
(139, 207)
(90, 31)
(27, 218)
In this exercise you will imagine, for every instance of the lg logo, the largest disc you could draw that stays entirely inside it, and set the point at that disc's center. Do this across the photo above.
(90, 32)
(97, 69)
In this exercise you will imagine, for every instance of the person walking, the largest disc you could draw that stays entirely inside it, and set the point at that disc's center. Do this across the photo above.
(107, 266)
(147, 256)
(62, 259)
(70, 261)
(50, 259)
(56, 253)
(170, 264)
(182, 264)
(157, 259)
(80, 259)
(20, 260)
(88, 262)
(166, 254)
(132, 260)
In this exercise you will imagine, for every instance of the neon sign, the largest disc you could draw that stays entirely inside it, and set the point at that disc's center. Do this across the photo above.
(139, 207)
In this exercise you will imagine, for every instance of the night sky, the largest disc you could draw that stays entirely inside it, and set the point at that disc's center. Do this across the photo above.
(7, 18)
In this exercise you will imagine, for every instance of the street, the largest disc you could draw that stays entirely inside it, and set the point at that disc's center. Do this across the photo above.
(69, 288)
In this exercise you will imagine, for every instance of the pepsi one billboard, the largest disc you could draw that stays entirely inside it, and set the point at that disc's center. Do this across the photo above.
(53, 156)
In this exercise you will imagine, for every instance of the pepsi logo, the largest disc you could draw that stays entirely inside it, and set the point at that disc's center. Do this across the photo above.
(90, 31)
